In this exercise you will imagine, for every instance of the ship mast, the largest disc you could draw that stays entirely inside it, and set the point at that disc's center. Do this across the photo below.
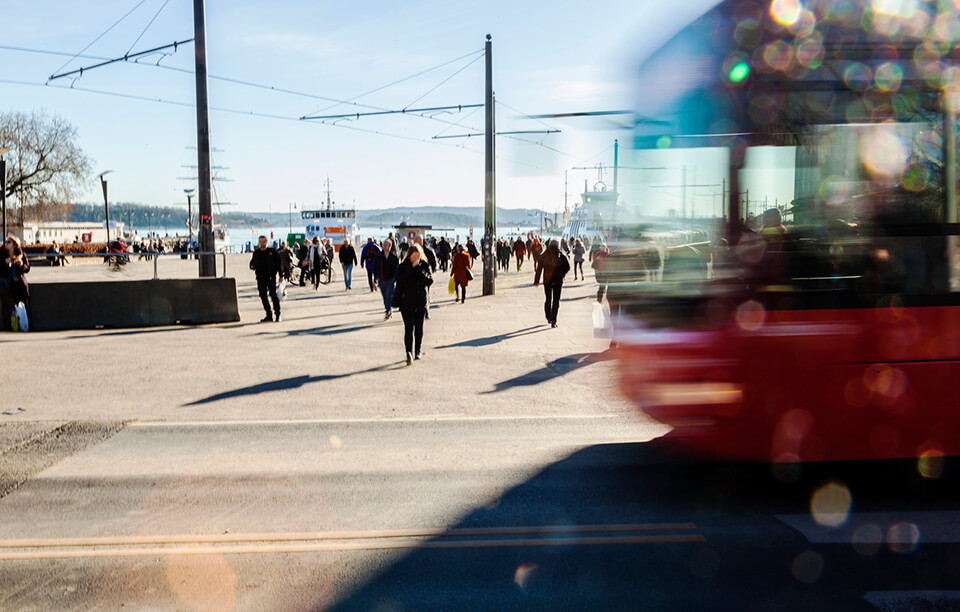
(329, 205)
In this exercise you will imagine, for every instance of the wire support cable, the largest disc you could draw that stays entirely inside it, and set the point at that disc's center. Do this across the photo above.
(124, 58)
(157, 14)
(104, 33)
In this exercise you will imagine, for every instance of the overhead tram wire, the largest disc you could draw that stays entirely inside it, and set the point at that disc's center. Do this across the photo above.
(398, 81)
(104, 33)
(444, 81)
(162, 6)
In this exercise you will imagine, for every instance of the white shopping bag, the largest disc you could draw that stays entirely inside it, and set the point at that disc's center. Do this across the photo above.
(602, 325)
(282, 289)
(20, 314)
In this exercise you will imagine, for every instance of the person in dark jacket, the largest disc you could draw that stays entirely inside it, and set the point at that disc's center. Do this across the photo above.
(266, 265)
(410, 296)
(385, 269)
(554, 266)
(431, 260)
(302, 262)
(472, 251)
(368, 256)
(348, 257)
(14, 287)
(443, 253)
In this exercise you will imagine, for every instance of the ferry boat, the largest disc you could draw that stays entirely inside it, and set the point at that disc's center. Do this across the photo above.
(596, 213)
(335, 223)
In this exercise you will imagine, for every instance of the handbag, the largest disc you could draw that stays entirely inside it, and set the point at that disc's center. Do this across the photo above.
(19, 320)
(602, 324)
(452, 286)
(469, 275)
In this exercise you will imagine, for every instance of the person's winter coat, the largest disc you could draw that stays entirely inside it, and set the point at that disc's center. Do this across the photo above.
(410, 294)
(385, 267)
(459, 268)
(348, 256)
(555, 266)
(369, 254)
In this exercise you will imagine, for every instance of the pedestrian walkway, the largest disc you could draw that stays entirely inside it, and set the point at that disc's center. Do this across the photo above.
(332, 356)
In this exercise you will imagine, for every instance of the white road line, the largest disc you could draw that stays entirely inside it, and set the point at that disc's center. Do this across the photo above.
(423, 419)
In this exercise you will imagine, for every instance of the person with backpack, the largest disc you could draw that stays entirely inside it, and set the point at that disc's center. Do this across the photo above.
(368, 257)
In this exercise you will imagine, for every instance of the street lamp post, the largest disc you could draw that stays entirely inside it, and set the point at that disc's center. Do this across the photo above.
(106, 207)
(3, 186)
(189, 193)
(290, 208)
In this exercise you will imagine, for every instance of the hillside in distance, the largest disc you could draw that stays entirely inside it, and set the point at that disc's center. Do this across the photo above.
(437, 216)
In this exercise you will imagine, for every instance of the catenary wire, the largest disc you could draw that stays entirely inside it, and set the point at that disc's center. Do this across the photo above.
(443, 82)
(162, 6)
(115, 24)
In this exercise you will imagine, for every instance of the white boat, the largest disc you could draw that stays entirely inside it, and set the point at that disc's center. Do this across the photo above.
(596, 213)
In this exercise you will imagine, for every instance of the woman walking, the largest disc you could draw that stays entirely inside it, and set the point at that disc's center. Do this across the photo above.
(410, 296)
(14, 266)
(460, 271)
(555, 266)
(578, 252)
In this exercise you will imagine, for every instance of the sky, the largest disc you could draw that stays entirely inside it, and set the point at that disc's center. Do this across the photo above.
(549, 57)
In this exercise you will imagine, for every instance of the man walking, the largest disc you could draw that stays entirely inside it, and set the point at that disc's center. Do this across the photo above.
(348, 257)
(443, 253)
(554, 266)
(368, 258)
(385, 269)
(519, 251)
(266, 265)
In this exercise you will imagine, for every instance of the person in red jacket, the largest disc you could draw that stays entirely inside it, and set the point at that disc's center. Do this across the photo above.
(519, 251)
(460, 271)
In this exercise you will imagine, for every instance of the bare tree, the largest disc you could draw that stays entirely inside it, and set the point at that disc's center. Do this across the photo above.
(46, 167)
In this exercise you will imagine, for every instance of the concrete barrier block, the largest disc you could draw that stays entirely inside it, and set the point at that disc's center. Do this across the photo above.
(146, 303)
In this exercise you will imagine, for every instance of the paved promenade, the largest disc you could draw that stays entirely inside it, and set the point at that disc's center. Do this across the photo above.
(332, 357)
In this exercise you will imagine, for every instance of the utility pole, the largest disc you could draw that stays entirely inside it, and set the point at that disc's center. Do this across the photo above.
(490, 180)
(616, 165)
(208, 263)
(189, 193)
(106, 207)
(683, 192)
(3, 187)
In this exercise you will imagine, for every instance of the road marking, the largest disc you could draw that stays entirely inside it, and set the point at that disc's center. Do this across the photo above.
(934, 527)
(333, 541)
(365, 534)
(344, 546)
(423, 419)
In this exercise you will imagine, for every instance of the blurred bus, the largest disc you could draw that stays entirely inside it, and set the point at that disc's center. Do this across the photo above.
(823, 321)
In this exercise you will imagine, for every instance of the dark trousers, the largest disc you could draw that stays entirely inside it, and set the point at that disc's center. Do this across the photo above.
(576, 265)
(268, 286)
(552, 303)
(412, 330)
(458, 287)
(303, 277)
(370, 279)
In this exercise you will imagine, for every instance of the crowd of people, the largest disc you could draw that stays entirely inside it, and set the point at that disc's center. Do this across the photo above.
(403, 271)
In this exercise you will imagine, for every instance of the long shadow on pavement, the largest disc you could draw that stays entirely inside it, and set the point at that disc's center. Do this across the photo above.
(285, 384)
(553, 369)
(488, 340)
(743, 558)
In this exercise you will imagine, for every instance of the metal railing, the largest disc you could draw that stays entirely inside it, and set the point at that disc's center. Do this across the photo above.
(154, 256)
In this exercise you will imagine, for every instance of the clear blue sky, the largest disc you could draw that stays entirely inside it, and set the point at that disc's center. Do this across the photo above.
(563, 55)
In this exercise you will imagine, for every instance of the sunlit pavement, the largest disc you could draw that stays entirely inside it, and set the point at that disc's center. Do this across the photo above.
(501, 473)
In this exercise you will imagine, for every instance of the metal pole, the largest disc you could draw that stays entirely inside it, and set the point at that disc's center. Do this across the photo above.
(190, 221)
(616, 166)
(106, 208)
(490, 198)
(3, 193)
(208, 263)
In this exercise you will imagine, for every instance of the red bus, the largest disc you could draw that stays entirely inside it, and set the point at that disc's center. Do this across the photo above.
(822, 320)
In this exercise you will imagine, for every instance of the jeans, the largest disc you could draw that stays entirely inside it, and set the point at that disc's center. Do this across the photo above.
(268, 286)
(348, 275)
(551, 304)
(412, 330)
(386, 289)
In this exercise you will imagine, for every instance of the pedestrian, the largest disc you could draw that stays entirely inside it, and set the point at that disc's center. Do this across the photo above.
(519, 251)
(460, 271)
(536, 249)
(368, 258)
(385, 269)
(597, 261)
(564, 247)
(286, 261)
(554, 266)
(348, 257)
(431, 260)
(410, 296)
(578, 252)
(472, 251)
(14, 267)
(443, 253)
(266, 265)
(303, 262)
(316, 257)
(330, 252)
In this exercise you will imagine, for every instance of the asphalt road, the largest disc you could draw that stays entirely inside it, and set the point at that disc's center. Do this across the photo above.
(300, 466)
